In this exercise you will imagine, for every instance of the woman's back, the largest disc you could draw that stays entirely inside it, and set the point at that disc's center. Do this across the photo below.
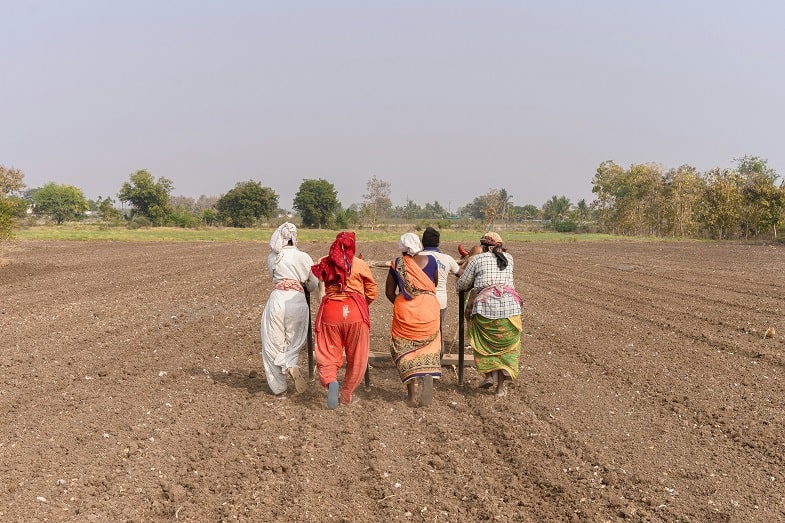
(484, 271)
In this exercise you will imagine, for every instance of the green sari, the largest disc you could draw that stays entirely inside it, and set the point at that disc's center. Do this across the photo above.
(496, 343)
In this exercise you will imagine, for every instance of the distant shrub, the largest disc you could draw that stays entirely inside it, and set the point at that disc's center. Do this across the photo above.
(140, 222)
(565, 226)
(182, 217)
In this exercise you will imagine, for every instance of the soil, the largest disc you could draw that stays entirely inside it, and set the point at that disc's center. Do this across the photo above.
(132, 389)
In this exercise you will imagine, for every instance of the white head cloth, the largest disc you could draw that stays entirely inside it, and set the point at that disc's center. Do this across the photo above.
(285, 232)
(410, 244)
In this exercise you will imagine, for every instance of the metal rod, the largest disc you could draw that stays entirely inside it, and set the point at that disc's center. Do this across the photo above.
(461, 318)
(368, 365)
(310, 336)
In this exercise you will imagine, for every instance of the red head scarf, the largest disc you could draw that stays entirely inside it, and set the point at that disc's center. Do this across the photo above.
(336, 267)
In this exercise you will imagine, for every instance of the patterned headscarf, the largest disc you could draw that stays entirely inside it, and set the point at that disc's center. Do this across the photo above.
(336, 267)
(285, 233)
(410, 244)
(493, 241)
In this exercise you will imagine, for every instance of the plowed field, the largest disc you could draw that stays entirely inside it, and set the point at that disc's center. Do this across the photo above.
(132, 389)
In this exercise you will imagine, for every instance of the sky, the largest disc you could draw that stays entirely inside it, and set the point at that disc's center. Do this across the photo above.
(444, 100)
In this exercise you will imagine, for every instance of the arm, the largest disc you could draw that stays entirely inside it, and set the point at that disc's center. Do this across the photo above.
(311, 282)
(453, 267)
(467, 257)
(370, 289)
(271, 264)
(466, 279)
(390, 287)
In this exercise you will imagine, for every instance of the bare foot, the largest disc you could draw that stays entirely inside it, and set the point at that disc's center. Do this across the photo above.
(427, 390)
(501, 390)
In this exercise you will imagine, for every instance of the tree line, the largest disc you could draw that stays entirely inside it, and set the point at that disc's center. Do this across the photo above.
(144, 200)
(645, 199)
(740, 202)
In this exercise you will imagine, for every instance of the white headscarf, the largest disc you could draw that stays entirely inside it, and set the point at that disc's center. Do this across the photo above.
(285, 232)
(410, 244)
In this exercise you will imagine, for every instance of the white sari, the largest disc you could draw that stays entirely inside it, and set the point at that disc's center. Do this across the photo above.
(284, 325)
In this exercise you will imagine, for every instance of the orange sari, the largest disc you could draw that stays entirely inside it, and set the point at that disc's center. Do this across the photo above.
(415, 341)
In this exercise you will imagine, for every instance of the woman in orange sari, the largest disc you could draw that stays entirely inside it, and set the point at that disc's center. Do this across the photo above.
(415, 341)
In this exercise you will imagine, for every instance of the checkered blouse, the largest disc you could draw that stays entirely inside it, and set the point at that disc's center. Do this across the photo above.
(482, 271)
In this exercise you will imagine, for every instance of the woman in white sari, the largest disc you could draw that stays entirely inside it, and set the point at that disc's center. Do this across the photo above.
(284, 327)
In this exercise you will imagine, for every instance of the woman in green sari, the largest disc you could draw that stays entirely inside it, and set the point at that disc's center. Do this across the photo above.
(494, 312)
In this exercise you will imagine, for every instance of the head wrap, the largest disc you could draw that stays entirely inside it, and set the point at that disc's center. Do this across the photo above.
(285, 233)
(493, 241)
(336, 267)
(410, 244)
(430, 238)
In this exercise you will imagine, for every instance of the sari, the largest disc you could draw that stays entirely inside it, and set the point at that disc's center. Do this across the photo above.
(415, 340)
(496, 343)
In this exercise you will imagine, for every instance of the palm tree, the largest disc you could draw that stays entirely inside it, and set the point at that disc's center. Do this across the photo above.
(556, 208)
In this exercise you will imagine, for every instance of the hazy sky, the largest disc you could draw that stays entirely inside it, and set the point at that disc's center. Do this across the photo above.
(445, 100)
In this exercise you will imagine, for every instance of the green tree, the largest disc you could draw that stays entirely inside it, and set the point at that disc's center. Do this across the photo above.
(721, 205)
(11, 209)
(761, 207)
(148, 197)
(347, 218)
(317, 203)
(629, 201)
(505, 205)
(683, 187)
(609, 188)
(556, 209)
(581, 213)
(208, 216)
(472, 210)
(755, 165)
(246, 204)
(493, 205)
(778, 205)
(525, 212)
(59, 202)
(646, 201)
(434, 210)
(107, 209)
(376, 201)
(11, 206)
(410, 211)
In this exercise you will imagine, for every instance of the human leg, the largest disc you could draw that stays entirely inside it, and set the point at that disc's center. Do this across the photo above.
(357, 342)
(272, 341)
(500, 385)
(411, 392)
(496, 345)
(442, 315)
(332, 395)
(329, 358)
(328, 352)
(427, 390)
(295, 327)
(489, 381)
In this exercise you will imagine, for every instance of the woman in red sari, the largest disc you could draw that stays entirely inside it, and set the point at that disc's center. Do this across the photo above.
(415, 340)
(343, 323)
